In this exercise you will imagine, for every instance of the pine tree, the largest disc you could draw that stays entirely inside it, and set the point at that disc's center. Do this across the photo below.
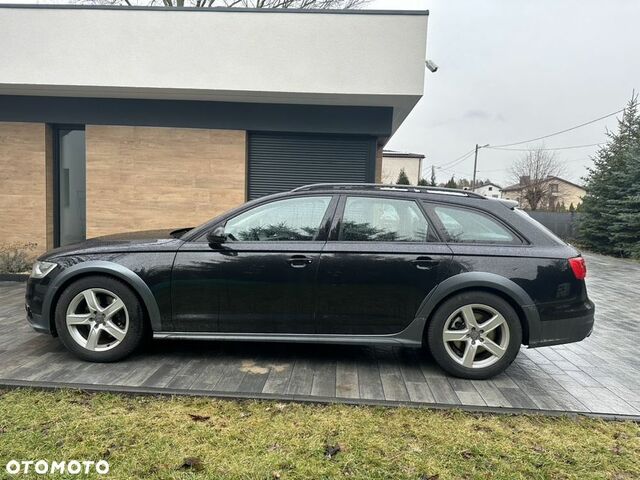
(625, 230)
(610, 222)
(403, 179)
(423, 182)
(433, 176)
(451, 183)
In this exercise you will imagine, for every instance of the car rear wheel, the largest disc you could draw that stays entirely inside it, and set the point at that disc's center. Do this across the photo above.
(474, 335)
(99, 319)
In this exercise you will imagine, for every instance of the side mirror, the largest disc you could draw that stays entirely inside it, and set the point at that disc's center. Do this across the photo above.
(216, 236)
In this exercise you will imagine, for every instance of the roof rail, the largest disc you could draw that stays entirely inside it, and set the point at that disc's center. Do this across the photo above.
(382, 186)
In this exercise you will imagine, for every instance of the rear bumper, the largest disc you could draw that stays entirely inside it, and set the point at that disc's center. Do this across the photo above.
(565, 330)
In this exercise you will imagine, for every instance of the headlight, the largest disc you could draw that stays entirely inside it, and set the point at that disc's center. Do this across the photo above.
(42, 269)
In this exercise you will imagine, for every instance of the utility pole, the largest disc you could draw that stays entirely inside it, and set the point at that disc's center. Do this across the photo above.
(475, 166)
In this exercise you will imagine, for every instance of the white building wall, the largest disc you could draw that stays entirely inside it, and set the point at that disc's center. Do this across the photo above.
(364, 58)
(490, 191)
(391, 167)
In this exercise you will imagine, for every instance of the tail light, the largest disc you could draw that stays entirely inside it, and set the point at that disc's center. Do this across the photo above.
(579, 267)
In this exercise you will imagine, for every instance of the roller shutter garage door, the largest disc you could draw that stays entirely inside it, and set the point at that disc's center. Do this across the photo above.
(280, 162)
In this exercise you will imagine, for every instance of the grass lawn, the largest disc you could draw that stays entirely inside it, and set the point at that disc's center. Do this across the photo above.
(150, 437)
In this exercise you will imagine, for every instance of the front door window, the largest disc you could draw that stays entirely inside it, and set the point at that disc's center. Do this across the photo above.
(290, 220)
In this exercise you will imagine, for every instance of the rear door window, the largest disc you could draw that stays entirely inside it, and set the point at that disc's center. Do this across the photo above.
(379, 219)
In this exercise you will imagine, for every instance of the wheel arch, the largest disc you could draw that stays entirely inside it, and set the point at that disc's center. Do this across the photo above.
(487, 282)
(108, 269)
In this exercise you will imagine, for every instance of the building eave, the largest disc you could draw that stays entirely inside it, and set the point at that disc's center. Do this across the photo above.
(246, 66)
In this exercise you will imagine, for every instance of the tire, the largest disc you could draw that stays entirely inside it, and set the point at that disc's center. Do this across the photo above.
(94, 326)
(471, 352)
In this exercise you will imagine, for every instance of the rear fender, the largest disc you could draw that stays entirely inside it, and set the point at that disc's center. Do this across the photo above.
(480, 280)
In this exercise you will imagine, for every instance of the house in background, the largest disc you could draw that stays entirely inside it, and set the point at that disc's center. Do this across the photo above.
(117, 118)
(489, 189)
(559, 192)
(393, 162)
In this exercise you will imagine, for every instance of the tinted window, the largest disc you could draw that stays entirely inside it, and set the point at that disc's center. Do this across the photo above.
(284, 220)
(532, 220)
(383, 220)
(464, 225)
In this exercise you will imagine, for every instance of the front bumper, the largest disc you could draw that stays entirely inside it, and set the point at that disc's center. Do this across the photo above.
(34, 301)
(37, 322)
(566, 330)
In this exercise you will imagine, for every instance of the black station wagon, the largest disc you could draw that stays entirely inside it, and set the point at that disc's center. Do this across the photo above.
(469, 278)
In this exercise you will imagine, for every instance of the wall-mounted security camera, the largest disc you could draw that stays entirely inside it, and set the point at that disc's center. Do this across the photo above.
(433, 68)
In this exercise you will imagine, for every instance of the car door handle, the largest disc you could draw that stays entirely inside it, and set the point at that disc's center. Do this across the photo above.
(425, 263)
(299, 261)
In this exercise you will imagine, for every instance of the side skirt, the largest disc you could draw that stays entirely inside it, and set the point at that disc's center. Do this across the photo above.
(394, 339)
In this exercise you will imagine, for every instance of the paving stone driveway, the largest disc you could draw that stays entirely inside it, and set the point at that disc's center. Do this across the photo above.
(598, 375)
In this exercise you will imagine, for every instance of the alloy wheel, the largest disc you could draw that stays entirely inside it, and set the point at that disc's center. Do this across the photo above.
(97, 319)
(476, 336)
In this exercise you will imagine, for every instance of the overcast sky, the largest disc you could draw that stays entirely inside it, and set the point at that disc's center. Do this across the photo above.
(519, 69)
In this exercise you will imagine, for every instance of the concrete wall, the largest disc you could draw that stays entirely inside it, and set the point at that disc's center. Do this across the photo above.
(146, 178)
(24, 181)
(391, 167)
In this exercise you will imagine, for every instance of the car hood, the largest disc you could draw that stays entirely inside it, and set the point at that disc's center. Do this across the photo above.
(147, 240)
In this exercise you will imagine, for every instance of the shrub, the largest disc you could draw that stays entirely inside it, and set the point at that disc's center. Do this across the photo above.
(403, 179)
(16, 257)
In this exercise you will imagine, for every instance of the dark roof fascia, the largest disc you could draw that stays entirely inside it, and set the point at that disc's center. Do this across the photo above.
(402, 155)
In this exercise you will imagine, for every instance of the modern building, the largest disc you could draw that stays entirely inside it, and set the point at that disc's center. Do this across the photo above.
(120, 118)
(489, 189)
(557, 193)
(394, 162)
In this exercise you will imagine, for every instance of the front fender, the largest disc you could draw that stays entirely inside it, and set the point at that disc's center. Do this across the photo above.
(468, 280)
(110, 268)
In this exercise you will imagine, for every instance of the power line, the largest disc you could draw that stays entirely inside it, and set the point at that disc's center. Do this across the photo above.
(561, 131)
(546, 149)
(451, 171)
(464, 156)
(458, 160)
(507, 168)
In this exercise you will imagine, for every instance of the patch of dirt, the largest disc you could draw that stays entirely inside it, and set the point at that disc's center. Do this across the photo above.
(249, 366)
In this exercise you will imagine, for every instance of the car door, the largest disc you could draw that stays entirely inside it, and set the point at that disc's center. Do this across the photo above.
(382, 259)
(262, 278)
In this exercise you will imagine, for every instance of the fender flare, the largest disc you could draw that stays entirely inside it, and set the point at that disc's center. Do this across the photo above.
(99, 266)
(468, 280)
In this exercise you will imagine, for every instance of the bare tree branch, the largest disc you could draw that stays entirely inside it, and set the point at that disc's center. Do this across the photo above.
(302, 4)
(532, 172)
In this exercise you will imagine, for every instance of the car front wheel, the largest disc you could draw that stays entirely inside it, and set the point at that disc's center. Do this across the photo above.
(99, 319)
(474, 335)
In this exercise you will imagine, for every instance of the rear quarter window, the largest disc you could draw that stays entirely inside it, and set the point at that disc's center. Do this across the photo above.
(464, 225)
(538, 225)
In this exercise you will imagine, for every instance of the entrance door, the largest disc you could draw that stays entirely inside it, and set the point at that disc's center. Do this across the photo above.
(71, 185)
